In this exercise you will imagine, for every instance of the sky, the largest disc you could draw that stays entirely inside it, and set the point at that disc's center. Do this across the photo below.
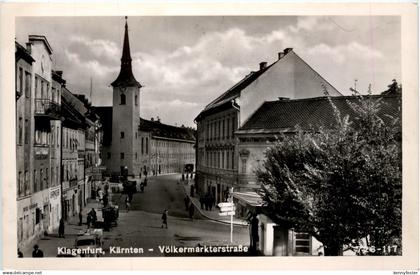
(184, 62)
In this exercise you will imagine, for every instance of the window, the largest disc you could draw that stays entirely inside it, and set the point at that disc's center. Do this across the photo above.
(20, 184)
(121, 155)
(37, 215)
(136, 135)
(142, 145)
(20, 134)
(108, 155)
(122, 135)
(227, 159)
(36, 87)
(136, 100)
(233, 127)
(42, 89)
(58, 136)
(223, 129)
(244, 166)
(27, 131)
(233, 160)
(41, 179)
(26, 184)
(223, 160)
(136, 155)
(27, 84)
(46, 178)
(122, 99)
(35, 181)
(20, 80)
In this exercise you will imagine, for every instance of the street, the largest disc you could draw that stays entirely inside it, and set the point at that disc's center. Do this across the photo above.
(140, 227)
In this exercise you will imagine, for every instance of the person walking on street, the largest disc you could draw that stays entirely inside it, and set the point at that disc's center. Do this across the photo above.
(191, 211)
(201, 202)
(186, 202)
(165, 218)
(88, 220)
(127, 203)
(37, 253)
(61, 229)
(211, 201)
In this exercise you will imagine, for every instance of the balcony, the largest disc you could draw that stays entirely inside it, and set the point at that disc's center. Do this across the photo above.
(47, 108)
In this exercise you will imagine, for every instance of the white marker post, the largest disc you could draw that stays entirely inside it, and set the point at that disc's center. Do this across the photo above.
(228, 209)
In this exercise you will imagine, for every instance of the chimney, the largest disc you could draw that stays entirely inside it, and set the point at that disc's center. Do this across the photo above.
(281, 54)
(263, 65)
(60, 73)
(287, 50)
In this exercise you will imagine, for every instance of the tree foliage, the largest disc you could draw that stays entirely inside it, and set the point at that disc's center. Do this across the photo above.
(339, 184)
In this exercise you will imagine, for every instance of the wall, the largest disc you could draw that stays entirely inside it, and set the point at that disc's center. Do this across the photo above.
(125, 118)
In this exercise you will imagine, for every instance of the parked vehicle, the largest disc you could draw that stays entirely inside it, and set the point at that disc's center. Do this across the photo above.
(89, 241)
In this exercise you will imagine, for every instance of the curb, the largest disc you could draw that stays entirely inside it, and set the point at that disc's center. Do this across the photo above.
(208, 217)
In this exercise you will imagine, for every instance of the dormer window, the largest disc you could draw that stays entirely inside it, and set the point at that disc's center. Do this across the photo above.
(122, 99)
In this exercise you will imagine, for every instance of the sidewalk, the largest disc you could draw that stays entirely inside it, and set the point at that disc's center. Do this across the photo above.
(48, 244)
(214, 213)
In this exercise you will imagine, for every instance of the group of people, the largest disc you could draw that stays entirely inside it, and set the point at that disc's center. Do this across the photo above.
(207, 201)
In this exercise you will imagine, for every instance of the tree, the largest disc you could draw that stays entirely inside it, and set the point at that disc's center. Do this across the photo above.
(393, 88)
(339, 184)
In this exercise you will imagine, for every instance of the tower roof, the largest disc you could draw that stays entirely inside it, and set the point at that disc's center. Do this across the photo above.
(126, 77)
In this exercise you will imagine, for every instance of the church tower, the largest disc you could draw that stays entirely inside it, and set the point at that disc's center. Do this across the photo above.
(125, 116)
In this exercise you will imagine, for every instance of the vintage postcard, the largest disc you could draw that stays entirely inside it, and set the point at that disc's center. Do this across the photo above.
(219, 136)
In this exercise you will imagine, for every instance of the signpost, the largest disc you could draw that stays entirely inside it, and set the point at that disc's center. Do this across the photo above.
(228, 209)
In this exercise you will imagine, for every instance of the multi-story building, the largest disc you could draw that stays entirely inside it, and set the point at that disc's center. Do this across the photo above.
(73, 140)
(58, 84)
(262, 130)
(165, 148)
(24, 146)
(51, 177)
(217, 150)
(46, 116)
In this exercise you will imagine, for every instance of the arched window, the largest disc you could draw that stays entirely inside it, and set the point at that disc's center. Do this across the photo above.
(122, 99)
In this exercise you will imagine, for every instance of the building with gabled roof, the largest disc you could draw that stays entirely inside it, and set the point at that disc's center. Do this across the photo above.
(217, 153)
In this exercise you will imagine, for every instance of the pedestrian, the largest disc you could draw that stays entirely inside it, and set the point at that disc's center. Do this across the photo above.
(20, 254)
(88, 220)
(182, 177)
(211, 201)
(201, 202)
(37, 253)
(93, 217)
(192, 191)
(186, 202)
(61, 229)
(127, 203)
(165, 218)
(206, 201)
(100, 194)
(191, 210)
(80, 218)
